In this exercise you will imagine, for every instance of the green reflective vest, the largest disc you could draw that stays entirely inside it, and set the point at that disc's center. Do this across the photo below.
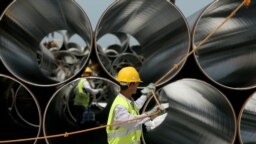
(81, 98)
(121, 135)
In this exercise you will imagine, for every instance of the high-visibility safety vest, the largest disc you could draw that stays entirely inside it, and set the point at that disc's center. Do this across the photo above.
(119, 134)
(82, 98)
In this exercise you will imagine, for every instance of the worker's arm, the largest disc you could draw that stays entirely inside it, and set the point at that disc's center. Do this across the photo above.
(89, 89)
(122, 115)
(146, 92)
(140, 101)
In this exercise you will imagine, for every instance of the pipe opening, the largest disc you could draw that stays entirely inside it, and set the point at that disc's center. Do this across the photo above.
(196, 113)
(45, 48)
(247, 125)
(19, 111)
(228, 57)
(150, 35)
(63, 115)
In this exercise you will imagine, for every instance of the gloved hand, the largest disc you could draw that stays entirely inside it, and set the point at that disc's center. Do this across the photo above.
(150, 125)
(161, 109)
(148, 89)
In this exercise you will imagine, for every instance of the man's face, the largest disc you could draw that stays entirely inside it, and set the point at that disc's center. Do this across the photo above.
(133, 87)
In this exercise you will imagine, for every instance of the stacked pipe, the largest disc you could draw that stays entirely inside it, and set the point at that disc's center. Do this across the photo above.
(59, 115)
(145, 30)
(16, 122)
(37, 48)
(227, 58)
(27, 49)
(247, 121)
(204, 94)
(197, 111)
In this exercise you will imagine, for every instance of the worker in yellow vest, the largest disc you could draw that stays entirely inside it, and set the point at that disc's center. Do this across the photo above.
(125, 108)
(83, 97)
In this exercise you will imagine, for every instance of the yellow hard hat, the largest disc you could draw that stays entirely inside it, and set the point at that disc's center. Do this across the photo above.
(88, 70)
(128, 74)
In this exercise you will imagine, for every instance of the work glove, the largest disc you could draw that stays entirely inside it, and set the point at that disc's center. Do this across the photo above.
(161, 109)
(147, 91)
(150, 125)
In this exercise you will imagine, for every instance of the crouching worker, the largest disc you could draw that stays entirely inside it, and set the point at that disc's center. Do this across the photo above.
(124, 108)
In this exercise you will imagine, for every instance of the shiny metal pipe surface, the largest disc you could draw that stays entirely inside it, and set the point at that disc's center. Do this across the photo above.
(197, 113)
(158, 36)
(247, 121)
(60, 113)
(19, 110)
(35, 37)
(228, 57)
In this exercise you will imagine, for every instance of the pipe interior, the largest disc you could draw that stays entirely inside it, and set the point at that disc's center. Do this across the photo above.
(45, 42)
(60, 114)
(151, 35)
(19, 110)
(228, 57)
(197, 114)
(247, 129)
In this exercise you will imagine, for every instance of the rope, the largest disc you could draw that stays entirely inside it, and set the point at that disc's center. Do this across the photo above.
(67, 134)
(175, 66)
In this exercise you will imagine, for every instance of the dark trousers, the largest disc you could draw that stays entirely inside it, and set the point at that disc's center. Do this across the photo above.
(78, 113)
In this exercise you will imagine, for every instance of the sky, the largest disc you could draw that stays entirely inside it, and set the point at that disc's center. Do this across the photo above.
(188, 7)
(95, 8)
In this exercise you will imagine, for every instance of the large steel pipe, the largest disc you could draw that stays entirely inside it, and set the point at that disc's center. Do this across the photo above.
(60, 113)
(19, 110)
(151, 35)
(198, 114)
(45, 42)
(247, 121)
(228, 57)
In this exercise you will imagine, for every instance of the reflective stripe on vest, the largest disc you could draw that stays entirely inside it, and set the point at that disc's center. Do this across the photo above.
(81, 98)
(121, 135)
